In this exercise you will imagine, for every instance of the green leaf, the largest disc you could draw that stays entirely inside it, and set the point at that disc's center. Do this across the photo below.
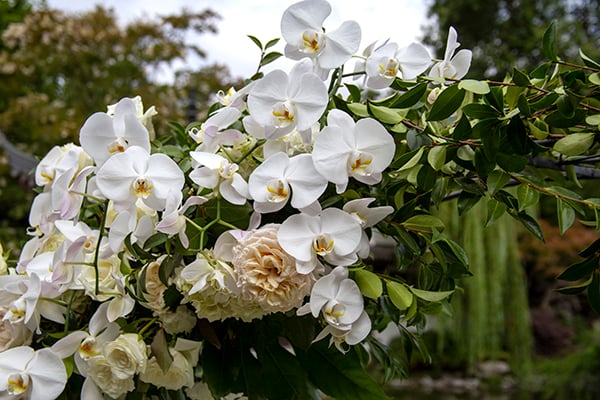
(523, 105)
(411, 97)
(271, 43)
(447, 103)
(527, 196)
(399, 294)
(424, 222)
(566, 215)
(591, 249)
(496, 180)
(414, 160)
(575, 143)
(160, 349)
(520, 78)
(531, 224)
(594, 292)
(370, 285)
(558, 120)
(595, 78)
(256, 41)
(270, 57)
(588, 60)
(359, 109)
(437, 157)
(384, 114)
(338, 375)
(549, 43)
(580, 270)
(495, 210)
(431, 296)
(478, 87)
(481, 111)
(575, 289)
(354, 92)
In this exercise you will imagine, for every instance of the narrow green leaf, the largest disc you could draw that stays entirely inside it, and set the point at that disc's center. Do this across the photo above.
(527, 196)
(384, 114)
(580, 270)
(354, 92)
(270, 57)
(520, 78)
(410, 97)
(591, 249)
(399, 294)
(575, 143)
(271, 43)
(431, 296)
(437, 157)
(496, 180)
(256, 41)
(414, 160)
(495, 210)
(523, 105)
(588, 60)
(575, 289)
(370, 285)
(477, 87)
(424, 222)
(480, 111)
(549, 42)
(566, 215)
(447, 103)
(531, 224)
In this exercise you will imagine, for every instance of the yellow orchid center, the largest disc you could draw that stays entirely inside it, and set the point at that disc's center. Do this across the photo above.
(87, 348)
(119, 145)
(17, 383)
(390, 70)
(360, 163)
(284, 114)
(312, 41)
(323, 245)
(333, 312)
(227, 169)
(142, 187)
(278, 191)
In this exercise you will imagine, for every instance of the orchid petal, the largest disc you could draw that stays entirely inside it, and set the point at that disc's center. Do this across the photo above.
(342, 43)
(296, 235)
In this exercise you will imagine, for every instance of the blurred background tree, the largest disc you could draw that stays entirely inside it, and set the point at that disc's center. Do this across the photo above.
(508, 33)
(57, 68)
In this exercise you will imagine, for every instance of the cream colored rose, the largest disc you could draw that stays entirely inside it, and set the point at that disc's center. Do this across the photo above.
(154, 288)
(126, 355)
(12, 334)
(108, 269)
(180, 373)
(102, 373)
(267, 274)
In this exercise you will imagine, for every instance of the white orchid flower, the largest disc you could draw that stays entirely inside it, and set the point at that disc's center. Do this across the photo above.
(333, 235)
(138, 222)
(366, 217)
(173, 221)
(287, 102)
(32, 374)
(134, 174)
(270, 183)
(302, 29)
(344, 149)
(453, 66)
(102, 135)
(216, 171)
(145, 117)
(213, 132)
(352, 334)
(389, 61)
(67, 193)
(61, 160)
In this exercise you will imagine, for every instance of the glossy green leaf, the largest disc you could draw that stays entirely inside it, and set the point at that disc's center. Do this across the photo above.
(495, 210)
(588, 60)
(594, 247)
(256, 41)
(575, 289)
(595, 78)
(354, 92)
(474, 86)
(414, 160)
(358, 109)
(270, 57)
(549, 42)
(437, 157)
(527, 196)
(523, 105)
(271, 43)
(496, 180)
(410, 97)
(480, 111)
(424, 222)
(566, 215)
(575, 143)
(520, 78)
(531, 224)
(431, 296)
(370, 285)
(447, 103)
(399, 294)
(579, 270)
(384, 114)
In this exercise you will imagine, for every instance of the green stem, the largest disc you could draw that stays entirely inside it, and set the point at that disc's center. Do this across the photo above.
(147, 326)
(68, 311)
(97, 253)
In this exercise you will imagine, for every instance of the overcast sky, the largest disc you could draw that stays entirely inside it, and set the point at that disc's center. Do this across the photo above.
(400, 20)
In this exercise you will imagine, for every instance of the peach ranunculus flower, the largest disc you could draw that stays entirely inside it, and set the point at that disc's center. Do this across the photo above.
(266, 274)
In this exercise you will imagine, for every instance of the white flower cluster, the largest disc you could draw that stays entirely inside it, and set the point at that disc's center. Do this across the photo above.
(272, 148)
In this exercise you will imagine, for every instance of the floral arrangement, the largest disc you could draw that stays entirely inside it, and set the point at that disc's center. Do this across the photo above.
(234, 257)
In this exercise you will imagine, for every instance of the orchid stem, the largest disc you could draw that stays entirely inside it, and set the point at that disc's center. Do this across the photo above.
(97, 254)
